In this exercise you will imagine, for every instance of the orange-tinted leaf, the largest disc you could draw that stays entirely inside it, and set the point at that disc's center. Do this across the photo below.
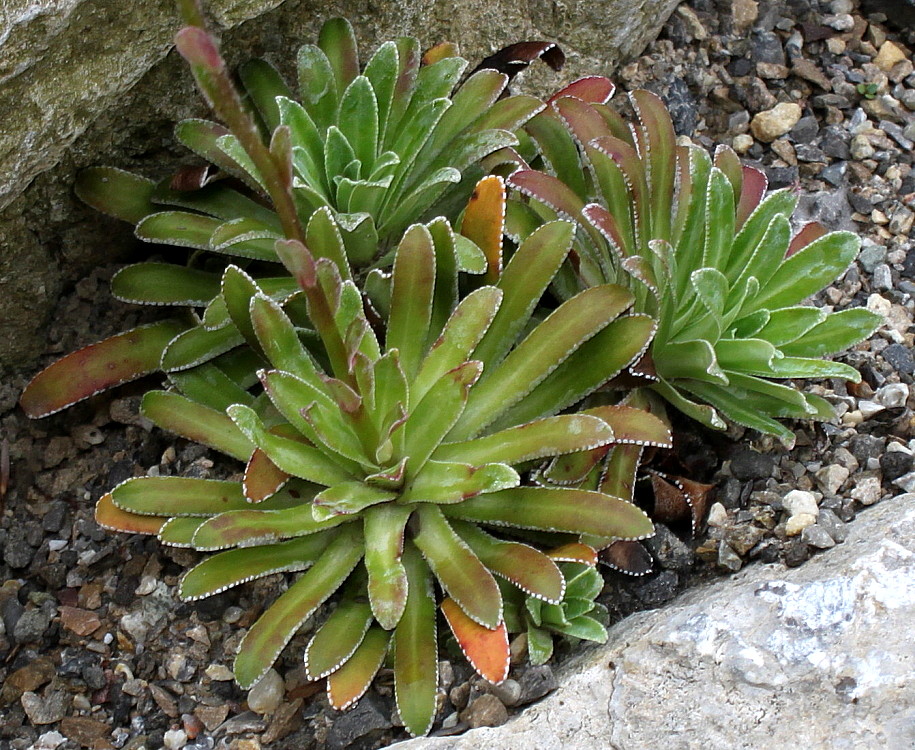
(484, 223)
(574, 552)
(349, 683)
(109, 516)
(97, 367)
(439, 52)
(262, 477)
(485, 649)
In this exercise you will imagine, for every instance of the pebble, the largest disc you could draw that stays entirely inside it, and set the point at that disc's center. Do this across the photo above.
(883, 277)
(831, 478)
(728, 558)
(799, 501)
(508, 692)
(817, 536)
(893, 396)
(536, 682)
(48, 741)
(888, 56)
(775, 122)
(867, 490)
(717, 516)
(174, 739)
(266, 696)
(894, 464)
(832, 525)
(798, 522)
(45, 710)
(485, 711)
(871, 256)
(33, 623)
(906, 482)
(219, 673)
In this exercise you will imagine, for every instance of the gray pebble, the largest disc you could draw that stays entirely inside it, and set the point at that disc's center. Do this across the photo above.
(536, 682)
(728, 558)
(899, 357)
(17, 552)
(832, 525)
(508, 692)
(871, 255)
(817, 536)
(33, 624)
(668, 550)
(893, 396)
(883, 277)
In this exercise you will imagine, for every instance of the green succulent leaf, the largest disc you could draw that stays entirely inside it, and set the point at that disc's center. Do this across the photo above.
(444, 482)
(227, 569)
(808, 271)
(838, 331)
(566, 510)
(527, 568)
(384, 544)
(164, 284)
(295, 457)
(270, 634)
(338, 638)
(416, 649)
(247, 528)
(116, 193)
(194, 421)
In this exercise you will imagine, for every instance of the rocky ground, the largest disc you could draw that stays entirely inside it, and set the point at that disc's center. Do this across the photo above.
(96, 651)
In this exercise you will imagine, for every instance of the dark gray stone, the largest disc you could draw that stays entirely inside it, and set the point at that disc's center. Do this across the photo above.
(363, 724)
(668, 550)
(536, 682)
(899, 357)
(894, 464)
(748, 464)
(766, 47)
(805, 130)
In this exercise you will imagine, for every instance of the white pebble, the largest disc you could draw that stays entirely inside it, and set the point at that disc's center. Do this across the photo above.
(867, 490)
(893, 395)
(869, 408)
(717, 515)
(906, 482)
(797, 502)
(175, 739)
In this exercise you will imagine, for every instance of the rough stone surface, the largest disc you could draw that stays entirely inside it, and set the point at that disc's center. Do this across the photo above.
(85, 82)
(771, 658)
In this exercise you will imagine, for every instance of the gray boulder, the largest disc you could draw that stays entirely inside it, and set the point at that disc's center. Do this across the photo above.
(815, 657)
(87, 82)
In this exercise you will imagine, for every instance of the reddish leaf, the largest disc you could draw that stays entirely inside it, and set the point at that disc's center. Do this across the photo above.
(627, 557)
(594, 89)
(752, 189)
(97, 367)
(485, 649)
(515, 58)
(811, 231)
(262, 477)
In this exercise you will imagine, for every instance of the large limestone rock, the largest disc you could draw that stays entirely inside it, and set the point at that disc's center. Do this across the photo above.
(94, 81)
(816, 657)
